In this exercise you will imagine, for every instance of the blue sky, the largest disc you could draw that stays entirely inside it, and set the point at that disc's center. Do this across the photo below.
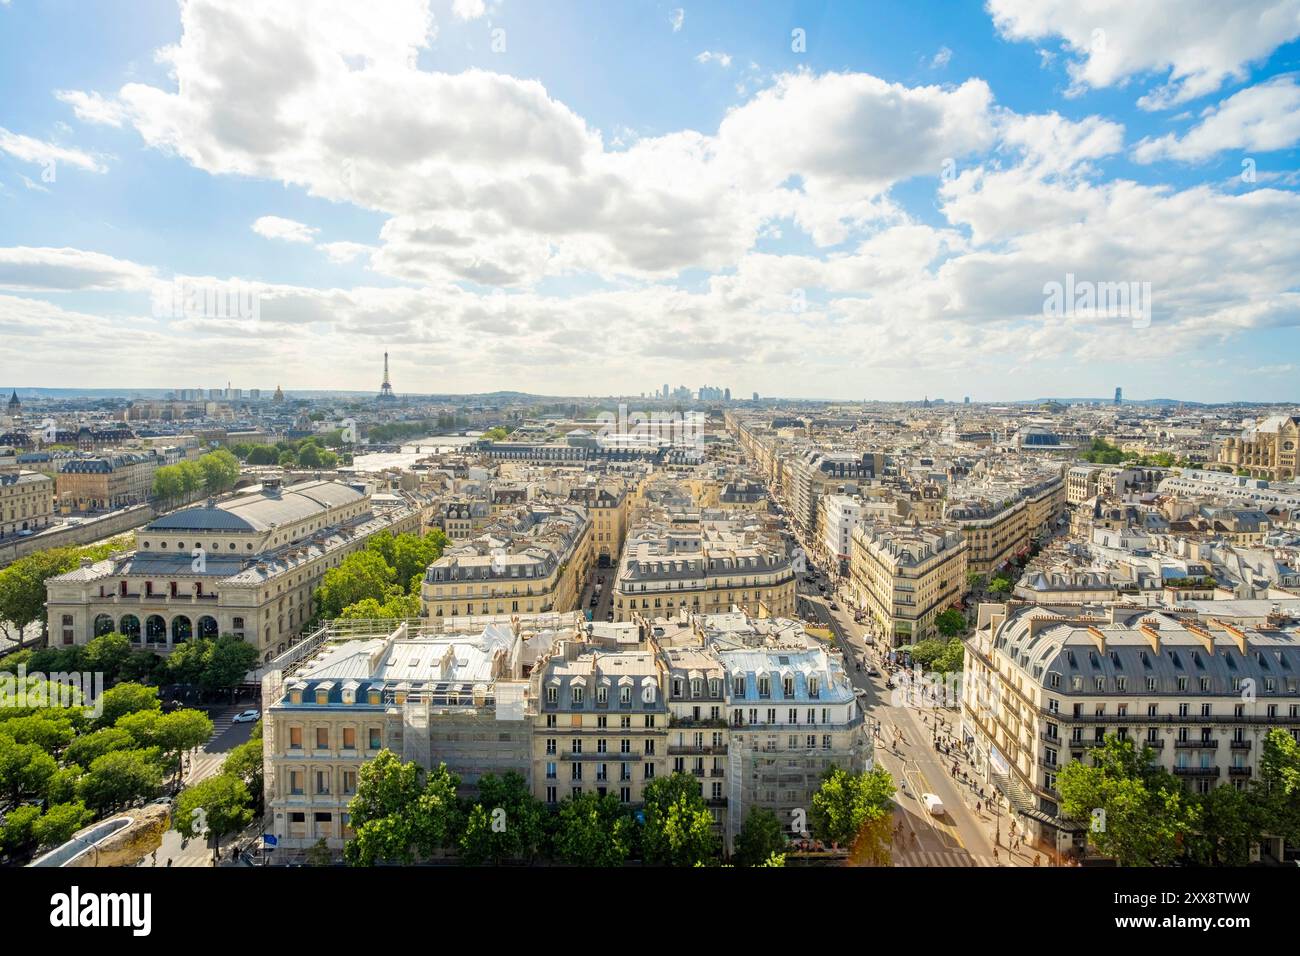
(814, 200)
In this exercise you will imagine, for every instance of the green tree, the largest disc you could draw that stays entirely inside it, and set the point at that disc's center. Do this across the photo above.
(120, 778)
(64, 784)
(263, 455)
(846, 803)
(1278, 790)
(85, 748)
(950, 623)
(22, 589)
(51, 730)
(109, 654)
(953, 658)
(496, 433)
(25, 769)
(400, 813)
(925, 653)
(396, 608)
(16, 834)
(678, 826)
(760, 837)
(220, 471)
(506, 822)
(363, 574)
(1145, 812)
(168, 485)
(774, 859)
(309, 456)
(230, 661)
(60, 822)
(125, 699)
(592, 831)
(217, 807)
(245, 762)
(1000, 585)
(1230, 821)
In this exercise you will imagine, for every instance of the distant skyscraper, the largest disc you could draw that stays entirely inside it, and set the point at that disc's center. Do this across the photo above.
(756, 396)
(726, 395)
(966, 400)
(1119, 396)
(665, 389)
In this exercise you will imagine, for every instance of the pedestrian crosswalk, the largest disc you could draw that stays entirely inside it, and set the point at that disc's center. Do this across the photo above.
(941, 858)
(204, 764)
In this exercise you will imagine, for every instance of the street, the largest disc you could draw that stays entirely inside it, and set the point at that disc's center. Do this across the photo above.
(972, 831)
(203, 763)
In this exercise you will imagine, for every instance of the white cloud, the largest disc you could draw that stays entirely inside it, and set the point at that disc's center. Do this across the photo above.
(1260, 118)
(485, 178)
(92, 108)
(285, 230)
(486, 185)
(468, 9)
(709, 56)
(677, 17)
(29, 150)
(341, 253)
(941, 59)
(37, 269)
(1198, 44)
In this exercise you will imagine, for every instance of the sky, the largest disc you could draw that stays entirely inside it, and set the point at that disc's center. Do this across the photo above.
(813, 200)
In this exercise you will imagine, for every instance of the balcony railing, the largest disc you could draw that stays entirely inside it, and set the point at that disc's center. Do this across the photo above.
(1196, 744)
(1196, 771)
(697, 749)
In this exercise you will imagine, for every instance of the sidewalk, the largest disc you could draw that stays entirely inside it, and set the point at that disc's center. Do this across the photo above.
(998, 825)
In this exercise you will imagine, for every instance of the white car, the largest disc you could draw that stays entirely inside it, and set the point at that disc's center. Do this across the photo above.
(933, 804)
(247, 716)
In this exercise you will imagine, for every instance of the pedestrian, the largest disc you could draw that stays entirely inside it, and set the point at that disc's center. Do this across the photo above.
(1036, 859)
(169, 861)
(995, 854)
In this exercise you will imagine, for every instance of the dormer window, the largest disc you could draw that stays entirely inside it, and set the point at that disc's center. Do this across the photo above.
(322, 695)
(577, 696)
(552, 695)
(787, 686)
(764, 687)
(602, 695)
(813, 685)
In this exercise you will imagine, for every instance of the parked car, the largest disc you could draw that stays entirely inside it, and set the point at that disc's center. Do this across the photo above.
(247, 716)
(595, 599)
(933, 804)
(834, 606)
(609, 616)
(872, 672)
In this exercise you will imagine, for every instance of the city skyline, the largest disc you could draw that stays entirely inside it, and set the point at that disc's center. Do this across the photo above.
(821, 203)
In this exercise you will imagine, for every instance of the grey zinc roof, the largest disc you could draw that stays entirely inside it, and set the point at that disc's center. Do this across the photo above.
(259, 510)
(1069, 649)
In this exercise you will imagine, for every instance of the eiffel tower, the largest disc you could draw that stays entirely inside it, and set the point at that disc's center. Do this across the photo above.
(386, 390)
